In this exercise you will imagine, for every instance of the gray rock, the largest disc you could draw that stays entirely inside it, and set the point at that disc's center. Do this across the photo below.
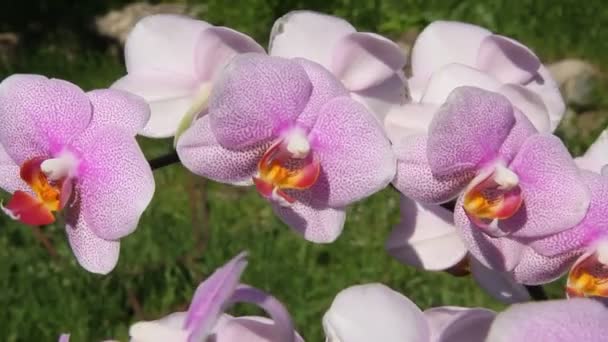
(577, 80)
(8, 44)
(117, 24)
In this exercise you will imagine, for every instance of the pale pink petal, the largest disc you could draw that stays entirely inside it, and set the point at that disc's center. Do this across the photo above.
(507, 60)
(497, 284)
(446, 42)
(426, 237)
(216, 47)
(596, 156)
(164, 43)
(249, 329)
(530, 104)
(363, 60)
(384, 98)
(168, 95)
(117, 108)
(374, 312)
(115, 182)
(458, 324)
(409, 119)
(452, 76)
(308, 35)
(40, 116)
(546, 87)
(93, 253)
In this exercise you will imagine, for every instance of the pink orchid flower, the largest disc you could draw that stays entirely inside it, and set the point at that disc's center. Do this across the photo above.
(62, 149)
(172, 62)
(368, 65)
(374, 312)
(205, 319)
(426, 238)
(448, 55)
(290, 128)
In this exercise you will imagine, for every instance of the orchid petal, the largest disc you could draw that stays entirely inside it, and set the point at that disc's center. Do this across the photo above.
(374, 312)
(596, 156)
(409, 119)
(212, 296)
(507, 60)
(456, 324)
(426, 237)
(64, 338)
(119, 109)
(9, 174)
(499, 285)
(307, 34)
(249, 329)
(385, 97)
(445, 80)
(546, 87)
(530, 104)
(363, 60)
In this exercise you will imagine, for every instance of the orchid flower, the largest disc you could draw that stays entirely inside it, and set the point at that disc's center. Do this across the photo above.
(205, 319)
(289, 127)
(172, 62)
(426, 238)
(374, 312)
(596, 157)
(62, 149)
(447, 55)
(368, 65)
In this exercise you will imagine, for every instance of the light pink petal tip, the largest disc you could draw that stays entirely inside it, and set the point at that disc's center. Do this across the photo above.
(596, 156)
(507, 60)
(64, 338)
(309, 35)
(426, 237)
(457, 324)
(212, 297)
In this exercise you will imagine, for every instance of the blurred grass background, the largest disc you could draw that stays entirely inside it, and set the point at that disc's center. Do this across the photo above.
(194, 226)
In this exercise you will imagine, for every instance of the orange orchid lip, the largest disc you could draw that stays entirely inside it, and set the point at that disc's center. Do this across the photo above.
(49, 196)
(284, 166)
(588, 277)
(493, 195)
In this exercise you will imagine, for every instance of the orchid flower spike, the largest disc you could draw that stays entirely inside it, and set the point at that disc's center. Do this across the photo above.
(62, 149)
(370, 66)
(172, 62)
(374, 312)
(447, 55)
(426, 238)
(289, 127)
(205, 319)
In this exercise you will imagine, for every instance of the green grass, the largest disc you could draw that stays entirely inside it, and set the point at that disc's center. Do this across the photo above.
(194, 226)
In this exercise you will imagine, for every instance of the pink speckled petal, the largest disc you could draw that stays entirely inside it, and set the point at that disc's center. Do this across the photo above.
(499, 254)
(169, 96)
(307, 34)
(10, 181)
(594, 225)
(216, 46)
(255, 97)
(580, 319)
(200, 153)
(384, 98)
(374, 312)
(212, 297)
(497, 284)
(362, 60)
(546, 87)
(117, 108)
(414, 177)
(546, 171)
(596, 156)
(507, 60)
(452, 76)
(39, 115)
(312, 219)
(469, 129)
(446, 42)
(426, 237)
(115, 182)
(530, 104)
(325, 87)
(93, 253)
(521, 131)
(356, 157)
(536, 269)
(458, 324)
(250, 329)
(409, 119)
(164, 42)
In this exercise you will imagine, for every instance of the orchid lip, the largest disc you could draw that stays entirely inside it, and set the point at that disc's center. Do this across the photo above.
(289, 163)
(588, 277)
(493, 195)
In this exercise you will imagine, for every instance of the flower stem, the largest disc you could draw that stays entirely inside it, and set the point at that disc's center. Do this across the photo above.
(165, 160)
(537, 292)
